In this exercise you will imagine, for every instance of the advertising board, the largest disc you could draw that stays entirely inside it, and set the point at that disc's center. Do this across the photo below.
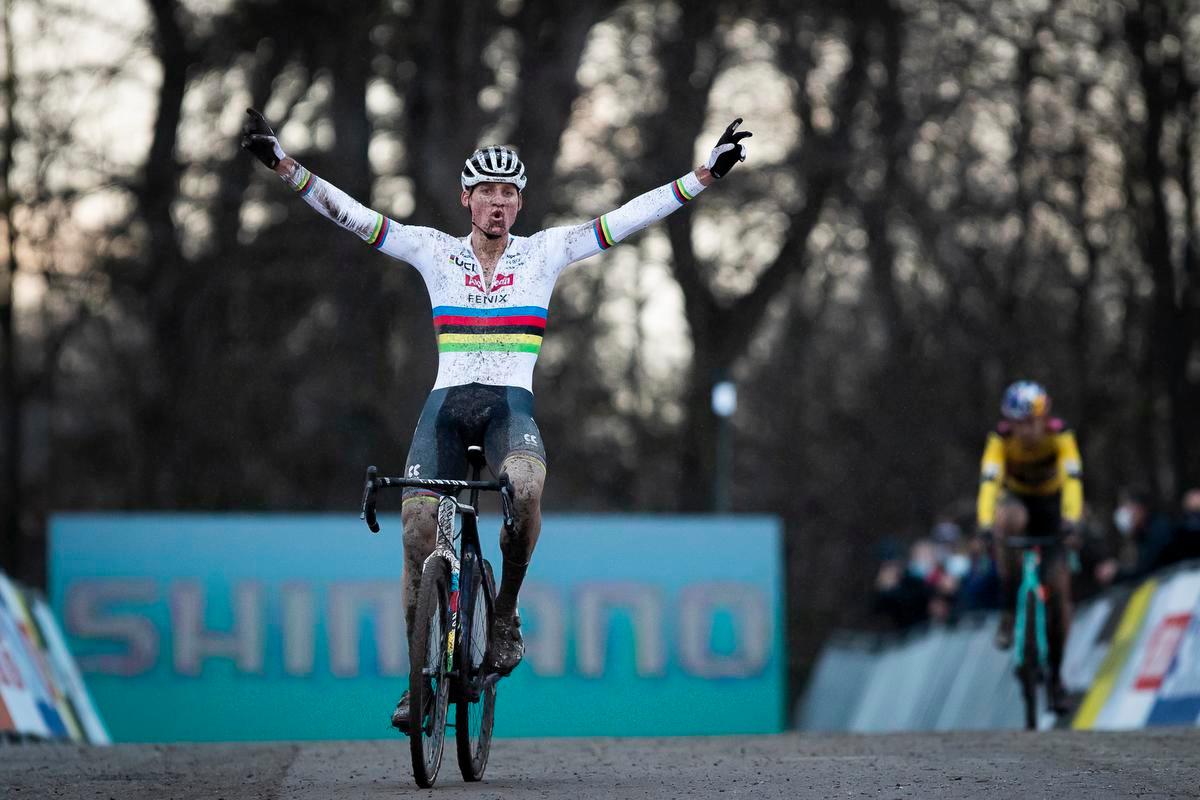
(253, 627)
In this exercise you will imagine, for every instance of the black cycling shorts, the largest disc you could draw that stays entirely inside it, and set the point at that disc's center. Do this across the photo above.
(1045, 513)
(497, 418)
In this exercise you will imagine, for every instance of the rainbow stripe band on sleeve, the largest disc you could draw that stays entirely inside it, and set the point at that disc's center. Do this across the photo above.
(516, 329)
(305, 181)
(604, 236)
(380, 231)
(681, 194)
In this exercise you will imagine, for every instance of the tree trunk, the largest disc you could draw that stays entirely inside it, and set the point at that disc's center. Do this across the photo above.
(1185, 390)
(164, 283)
(1145, 30)
(698, 436)
(11, 542)
(877, 210)
(553, 36)
(1008, 336)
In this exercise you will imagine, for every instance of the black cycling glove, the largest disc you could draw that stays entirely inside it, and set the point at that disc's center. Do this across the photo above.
(259, 139)
(729, 150)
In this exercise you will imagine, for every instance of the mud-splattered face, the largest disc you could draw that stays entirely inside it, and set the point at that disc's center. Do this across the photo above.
(493, 207)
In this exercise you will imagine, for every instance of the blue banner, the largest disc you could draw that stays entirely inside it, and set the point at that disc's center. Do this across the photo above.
(257, 627)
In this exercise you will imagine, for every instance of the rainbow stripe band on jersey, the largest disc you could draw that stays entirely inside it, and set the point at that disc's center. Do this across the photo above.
(680, 192)
(379, 232)
(516, 329)
(604, 236)
(304, 181)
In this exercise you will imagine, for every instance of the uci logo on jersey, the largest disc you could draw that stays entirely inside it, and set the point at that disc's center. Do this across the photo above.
(466, 263)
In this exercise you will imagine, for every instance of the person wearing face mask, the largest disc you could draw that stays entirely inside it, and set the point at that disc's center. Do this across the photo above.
(917, 590)
(1148, 533)
(1031, 483)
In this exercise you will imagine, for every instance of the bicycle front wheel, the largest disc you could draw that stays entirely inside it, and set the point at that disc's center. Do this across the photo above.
(429, 679)
(1029, 672)
(475, 710)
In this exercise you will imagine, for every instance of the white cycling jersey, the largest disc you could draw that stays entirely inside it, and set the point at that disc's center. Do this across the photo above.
(490, 333)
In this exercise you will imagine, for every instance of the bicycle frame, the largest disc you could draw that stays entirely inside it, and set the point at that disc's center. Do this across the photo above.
(449, 507)
(1031, 559)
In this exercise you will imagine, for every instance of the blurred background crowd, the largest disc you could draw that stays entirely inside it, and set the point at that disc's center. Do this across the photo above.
(951, 571)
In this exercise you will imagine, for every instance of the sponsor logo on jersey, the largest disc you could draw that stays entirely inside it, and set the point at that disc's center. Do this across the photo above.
(466, 263)
(487, 300)
(500, 281)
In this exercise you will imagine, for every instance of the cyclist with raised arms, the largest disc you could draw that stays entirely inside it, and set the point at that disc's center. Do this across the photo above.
(490, 291)
(1031, 483)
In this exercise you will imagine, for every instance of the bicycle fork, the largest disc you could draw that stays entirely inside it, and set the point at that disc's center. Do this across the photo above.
(1030, 584)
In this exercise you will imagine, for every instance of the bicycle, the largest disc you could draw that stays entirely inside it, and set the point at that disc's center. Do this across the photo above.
(1031, 651)
(455, 611)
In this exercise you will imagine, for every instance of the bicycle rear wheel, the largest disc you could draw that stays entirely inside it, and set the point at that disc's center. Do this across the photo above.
(429, 681)
(473, 718)
(1029, 672)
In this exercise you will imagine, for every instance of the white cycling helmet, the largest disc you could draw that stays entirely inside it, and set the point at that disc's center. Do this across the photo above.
(494, 164)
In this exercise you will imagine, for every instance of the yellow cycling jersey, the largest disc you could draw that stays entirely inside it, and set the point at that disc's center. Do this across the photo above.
(1052, 466)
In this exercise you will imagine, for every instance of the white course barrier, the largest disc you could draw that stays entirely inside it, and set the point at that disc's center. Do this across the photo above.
(42, 695)
(1133, 655)
(1150, 672)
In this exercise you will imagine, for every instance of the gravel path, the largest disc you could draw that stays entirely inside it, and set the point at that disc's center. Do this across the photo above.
(1062, 765)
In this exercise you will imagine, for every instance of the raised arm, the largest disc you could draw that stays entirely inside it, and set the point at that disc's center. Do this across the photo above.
(376, 229)
(581, 241)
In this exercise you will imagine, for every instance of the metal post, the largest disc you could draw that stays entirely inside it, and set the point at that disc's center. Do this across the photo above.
(724, 404)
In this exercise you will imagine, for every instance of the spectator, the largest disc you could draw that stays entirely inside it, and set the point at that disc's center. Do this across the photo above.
(902, 590)
(952, 564)
(1097, 567)
(979, 586)
(928, 559)
(1187, 533)
(1147, 533)
(947, 536)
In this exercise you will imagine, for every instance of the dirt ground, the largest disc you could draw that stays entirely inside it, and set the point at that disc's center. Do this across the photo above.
(1063, 765)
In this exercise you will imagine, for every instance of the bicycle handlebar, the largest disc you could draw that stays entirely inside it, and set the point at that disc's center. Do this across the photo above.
(443, 485)
(368, 501)
(438, 484)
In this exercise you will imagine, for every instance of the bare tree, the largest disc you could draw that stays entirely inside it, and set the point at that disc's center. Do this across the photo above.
(1168, 90)
(11, 539)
